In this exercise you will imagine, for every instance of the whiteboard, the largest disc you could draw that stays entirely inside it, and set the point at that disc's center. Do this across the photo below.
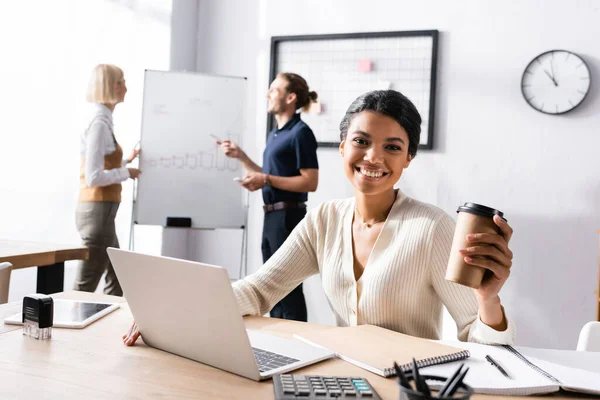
(184, 172)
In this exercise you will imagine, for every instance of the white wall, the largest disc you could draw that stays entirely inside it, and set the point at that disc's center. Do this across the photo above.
(184, 29)
(490, 146)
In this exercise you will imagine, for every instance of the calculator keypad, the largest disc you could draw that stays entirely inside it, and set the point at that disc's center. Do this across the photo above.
(290, 386)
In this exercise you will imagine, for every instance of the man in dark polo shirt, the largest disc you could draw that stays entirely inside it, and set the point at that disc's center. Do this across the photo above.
(290, 170)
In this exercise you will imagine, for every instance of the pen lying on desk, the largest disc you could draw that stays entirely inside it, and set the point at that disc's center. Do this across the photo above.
(495, 364)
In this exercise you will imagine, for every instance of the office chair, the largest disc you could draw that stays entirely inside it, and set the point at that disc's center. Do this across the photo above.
(589, 337)
(5, 269)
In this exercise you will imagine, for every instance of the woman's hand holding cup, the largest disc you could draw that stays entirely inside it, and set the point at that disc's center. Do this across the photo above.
(490, 251)
(481, 259)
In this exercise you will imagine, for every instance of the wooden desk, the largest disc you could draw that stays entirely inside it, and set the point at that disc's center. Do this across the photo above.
(49, 258)
(93, 363)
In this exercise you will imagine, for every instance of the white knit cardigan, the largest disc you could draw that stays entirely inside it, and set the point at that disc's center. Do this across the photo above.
(402, 287)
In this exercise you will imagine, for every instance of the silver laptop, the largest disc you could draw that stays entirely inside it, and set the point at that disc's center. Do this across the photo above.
(189, 309)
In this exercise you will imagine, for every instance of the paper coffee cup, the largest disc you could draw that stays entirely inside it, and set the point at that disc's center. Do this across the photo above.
(472, 218)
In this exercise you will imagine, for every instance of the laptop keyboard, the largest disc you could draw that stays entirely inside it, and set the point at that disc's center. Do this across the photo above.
(267, 360)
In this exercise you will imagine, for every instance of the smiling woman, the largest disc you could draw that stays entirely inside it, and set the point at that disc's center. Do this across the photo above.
(376, 149)
(381, 255)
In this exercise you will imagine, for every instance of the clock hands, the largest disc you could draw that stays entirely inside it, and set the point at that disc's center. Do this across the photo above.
(551, 76)
(552, 68)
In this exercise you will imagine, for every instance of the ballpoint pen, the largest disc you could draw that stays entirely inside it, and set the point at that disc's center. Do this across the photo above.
(456, 383)
(495, 364)
(401, 377)
(419, 382)
(450, 381)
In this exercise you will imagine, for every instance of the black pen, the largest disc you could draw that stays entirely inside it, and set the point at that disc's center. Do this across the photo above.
(421, 384)
(495, 364)
(401, 377)
(450, 381)
(456, 383)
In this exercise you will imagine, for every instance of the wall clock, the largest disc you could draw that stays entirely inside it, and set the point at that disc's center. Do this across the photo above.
(555, 82)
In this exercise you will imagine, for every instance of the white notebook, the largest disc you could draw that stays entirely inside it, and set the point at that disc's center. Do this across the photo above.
(528, 375)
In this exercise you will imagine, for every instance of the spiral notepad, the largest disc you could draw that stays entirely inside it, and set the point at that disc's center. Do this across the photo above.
(376, 349)
(528, 375)
(428, 362)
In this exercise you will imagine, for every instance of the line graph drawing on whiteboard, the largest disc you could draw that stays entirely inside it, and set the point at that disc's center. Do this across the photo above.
(207, 160)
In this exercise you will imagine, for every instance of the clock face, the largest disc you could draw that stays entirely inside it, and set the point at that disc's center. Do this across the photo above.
(556, 82)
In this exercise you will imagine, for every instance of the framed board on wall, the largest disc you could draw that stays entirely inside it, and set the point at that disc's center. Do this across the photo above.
(340, 67)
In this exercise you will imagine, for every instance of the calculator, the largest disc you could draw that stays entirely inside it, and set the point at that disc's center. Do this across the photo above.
(290, 386)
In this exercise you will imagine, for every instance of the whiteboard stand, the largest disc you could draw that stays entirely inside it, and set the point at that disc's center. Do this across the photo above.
(244, 256)
(175, 241)
(132, 222)
(182, 113)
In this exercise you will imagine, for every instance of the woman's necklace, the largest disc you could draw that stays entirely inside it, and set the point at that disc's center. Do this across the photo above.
(370, 224)
(367, 224)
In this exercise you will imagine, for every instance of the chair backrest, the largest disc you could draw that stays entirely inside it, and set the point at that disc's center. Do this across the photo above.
(589, 337)
(5, 269)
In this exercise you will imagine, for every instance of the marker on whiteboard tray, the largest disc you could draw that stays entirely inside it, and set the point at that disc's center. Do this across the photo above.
(179, 222)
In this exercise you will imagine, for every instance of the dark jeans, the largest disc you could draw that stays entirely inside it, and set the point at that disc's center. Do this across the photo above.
(277, 227)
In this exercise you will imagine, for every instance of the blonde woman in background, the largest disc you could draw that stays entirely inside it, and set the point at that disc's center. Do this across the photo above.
(102, 171)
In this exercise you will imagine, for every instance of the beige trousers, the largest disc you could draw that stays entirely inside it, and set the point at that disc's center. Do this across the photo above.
(96, 225)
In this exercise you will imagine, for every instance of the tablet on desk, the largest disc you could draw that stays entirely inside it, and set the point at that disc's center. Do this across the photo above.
(72, 313)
